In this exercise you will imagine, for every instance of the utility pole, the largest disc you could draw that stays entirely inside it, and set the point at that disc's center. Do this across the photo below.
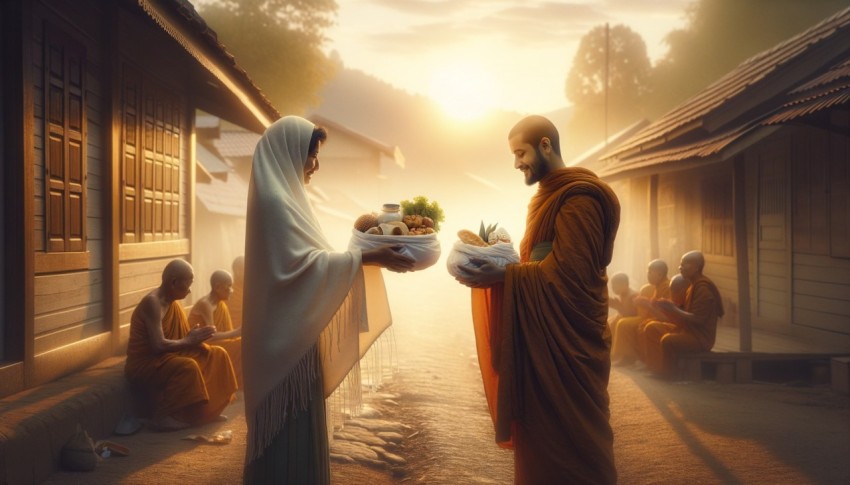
(607, 60)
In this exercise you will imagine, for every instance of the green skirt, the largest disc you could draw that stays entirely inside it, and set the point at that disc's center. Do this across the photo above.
(299, 453)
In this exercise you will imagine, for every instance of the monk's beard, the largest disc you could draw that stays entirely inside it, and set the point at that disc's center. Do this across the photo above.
(536, 169)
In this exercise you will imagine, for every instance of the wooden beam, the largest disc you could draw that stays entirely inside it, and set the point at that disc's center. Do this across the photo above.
(654, 251)
(111, 220)
(739, 201)
(18, 185)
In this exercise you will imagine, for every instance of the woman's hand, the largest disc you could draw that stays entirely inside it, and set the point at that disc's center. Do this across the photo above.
(389, 257)
(481, 274)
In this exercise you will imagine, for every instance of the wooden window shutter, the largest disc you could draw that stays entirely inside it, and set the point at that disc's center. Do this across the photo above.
(151, 160)
(717, 223)
(130, 98)
(65, 153)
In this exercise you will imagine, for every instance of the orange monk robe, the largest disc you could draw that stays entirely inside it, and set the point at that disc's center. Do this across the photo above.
(543, 340)
(223, 323)
(628, 343)
(234, 304)
(665, 340)
(192, 385)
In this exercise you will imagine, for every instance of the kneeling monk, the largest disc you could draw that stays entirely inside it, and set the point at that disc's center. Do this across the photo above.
(212, 311)
(190, 382)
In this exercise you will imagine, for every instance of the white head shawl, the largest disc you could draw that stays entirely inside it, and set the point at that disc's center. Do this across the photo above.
(295, 287)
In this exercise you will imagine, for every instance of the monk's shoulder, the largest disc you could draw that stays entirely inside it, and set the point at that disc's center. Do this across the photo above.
(148, 307)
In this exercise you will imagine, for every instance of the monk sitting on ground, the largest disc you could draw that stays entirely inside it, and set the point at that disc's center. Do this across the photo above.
(188, 382)
(626, 349)
(657, 326)
(212, 311)
(695, 324)
(623, 300)
(235, 301)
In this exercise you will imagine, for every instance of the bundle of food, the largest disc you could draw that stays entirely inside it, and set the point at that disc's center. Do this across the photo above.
(415, 230)
(491, 244)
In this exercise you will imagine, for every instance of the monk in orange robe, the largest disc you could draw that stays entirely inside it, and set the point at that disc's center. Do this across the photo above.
(657, 326)
(696, 324)
(212, 310)
(188, 381)
(623, 300)
(626, 348)
(541, 330)
(238, 295)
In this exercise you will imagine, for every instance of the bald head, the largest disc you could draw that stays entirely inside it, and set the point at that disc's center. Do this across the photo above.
(177, 278)
(238, 267)
(678, 288)
(691, 265)
(620, 283)
(656, 271)
(177, 269)
(220, 277)
(534, 128)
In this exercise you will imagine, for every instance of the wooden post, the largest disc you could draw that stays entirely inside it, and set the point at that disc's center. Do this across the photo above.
(18, 191)
(112, 181)
(654, 251)
(739, 199)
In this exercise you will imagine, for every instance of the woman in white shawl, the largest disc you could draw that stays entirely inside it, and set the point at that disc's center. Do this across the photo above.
(304, 309)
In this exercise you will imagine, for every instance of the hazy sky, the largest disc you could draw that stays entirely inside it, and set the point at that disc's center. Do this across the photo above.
(474, 54)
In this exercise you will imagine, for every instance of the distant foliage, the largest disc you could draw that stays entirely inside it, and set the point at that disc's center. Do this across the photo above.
(279, 43)
(629, 84)
(721, 34)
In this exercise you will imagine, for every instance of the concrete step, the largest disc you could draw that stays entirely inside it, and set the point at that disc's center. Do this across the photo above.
(35, 424)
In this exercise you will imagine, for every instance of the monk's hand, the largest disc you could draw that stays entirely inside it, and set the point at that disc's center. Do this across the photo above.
(480, 273)
(643, 301)
(390, 257)
(199, 334)
(666, 306)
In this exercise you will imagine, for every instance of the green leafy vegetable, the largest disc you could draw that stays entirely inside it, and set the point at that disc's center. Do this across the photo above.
(421, 206)
(484, 232)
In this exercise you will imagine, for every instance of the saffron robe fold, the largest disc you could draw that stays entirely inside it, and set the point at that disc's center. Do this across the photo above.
(223, 323)
(192, 385)
(543, 340)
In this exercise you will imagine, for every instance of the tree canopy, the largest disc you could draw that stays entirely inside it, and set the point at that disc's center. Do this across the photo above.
(278, 42)
(629, 72)
(720, 34)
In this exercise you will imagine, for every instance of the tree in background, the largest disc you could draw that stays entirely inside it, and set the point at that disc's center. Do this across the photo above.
(721, 34)
(629, 73)
(278, 42)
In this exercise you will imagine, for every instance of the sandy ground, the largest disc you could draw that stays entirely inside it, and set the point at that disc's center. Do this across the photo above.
(665, 433)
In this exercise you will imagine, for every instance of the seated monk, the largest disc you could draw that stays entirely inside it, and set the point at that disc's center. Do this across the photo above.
(656, 326)
(212, 311)
(623, 301)
(625, 347)
(695, 325)
(188, 382)
(235, 301)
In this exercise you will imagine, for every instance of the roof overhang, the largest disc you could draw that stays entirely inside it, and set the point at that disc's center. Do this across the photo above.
(223, 90)
(732, 145)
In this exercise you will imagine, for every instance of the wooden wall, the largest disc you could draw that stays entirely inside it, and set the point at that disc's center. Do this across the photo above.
(69, 305)
(821, 266)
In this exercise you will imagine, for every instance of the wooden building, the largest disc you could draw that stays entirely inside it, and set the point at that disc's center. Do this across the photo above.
(755, 172)
(98, 142)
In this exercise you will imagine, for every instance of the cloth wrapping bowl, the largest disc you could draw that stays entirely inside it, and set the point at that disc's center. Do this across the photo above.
(501, 254)
(424, 249)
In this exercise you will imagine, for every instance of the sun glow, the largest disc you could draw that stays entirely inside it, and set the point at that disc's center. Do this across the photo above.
(464, 91)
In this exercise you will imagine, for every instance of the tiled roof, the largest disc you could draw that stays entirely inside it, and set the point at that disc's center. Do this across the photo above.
(805, 74)
(236, 143)
(228, 198)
